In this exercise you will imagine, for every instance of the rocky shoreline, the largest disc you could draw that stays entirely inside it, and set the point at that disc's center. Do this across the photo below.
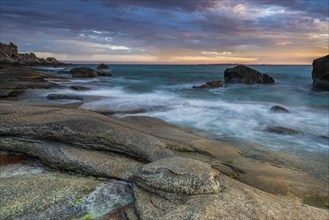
(172, 173)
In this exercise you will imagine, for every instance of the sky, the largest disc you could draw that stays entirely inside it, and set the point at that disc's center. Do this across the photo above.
(169, 31)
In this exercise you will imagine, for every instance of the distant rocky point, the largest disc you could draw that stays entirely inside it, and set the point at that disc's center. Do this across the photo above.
(247, 75)
(9, 55)
(102, 66)
(320, 73)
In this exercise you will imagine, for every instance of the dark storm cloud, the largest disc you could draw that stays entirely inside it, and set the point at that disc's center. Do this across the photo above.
(320, 7)
(188, 5)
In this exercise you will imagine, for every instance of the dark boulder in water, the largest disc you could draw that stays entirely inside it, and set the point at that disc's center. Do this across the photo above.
(210, 85)
(280, 109)
(102, 67)
(247, 75)
(83, 72)
(283, 130)
(320, 73)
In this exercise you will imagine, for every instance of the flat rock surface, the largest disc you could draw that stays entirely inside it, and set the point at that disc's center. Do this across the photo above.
(175, 174)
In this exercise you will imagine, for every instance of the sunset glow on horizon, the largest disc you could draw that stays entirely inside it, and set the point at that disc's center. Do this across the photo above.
(169, 32)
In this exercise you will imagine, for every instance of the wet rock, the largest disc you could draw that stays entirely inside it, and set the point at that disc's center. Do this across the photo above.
(10, 93)
(174, 176)
(83, 72)
(63, 96)
(283, 130)
(102, 67)
(15, 79)
(210, 85)
(320, 73)
(247, 75)
(280, 109)
(80, 88)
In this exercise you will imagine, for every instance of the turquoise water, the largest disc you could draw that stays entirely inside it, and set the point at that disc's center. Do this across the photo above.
(233, 111)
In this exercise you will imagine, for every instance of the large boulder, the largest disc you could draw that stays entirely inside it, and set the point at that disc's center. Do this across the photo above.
(244, 74)
(83, 72)
(174, 176)
(320, 73)
(102, 66)
(210, 85)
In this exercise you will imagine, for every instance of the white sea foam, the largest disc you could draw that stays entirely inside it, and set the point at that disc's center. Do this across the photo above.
(49, 68)
(233, 111)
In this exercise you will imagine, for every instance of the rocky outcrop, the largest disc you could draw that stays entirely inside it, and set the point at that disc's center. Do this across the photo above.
(210, 85)
(320, 73)
(15, 79)
(247, 75)
(9, 55)
(102, 66)
(83, 72)
(175, 174)
(279, 109)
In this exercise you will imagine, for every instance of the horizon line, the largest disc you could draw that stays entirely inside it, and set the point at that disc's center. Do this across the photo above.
(195, 64)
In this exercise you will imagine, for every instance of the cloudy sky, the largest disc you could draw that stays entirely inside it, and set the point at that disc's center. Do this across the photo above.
(169, 31)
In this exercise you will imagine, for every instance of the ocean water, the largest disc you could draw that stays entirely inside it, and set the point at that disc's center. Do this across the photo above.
(235, 111)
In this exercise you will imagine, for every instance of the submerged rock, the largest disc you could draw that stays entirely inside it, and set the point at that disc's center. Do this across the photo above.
(79, 88)
(244, 74)
(104, 73)
(320, 73)
(283, 130)
(210, 85)
(63, 96)
(83, 72)
(280, 109)
(102, 66)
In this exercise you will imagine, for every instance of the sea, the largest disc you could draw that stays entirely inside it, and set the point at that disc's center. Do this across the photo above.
(233, 112)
